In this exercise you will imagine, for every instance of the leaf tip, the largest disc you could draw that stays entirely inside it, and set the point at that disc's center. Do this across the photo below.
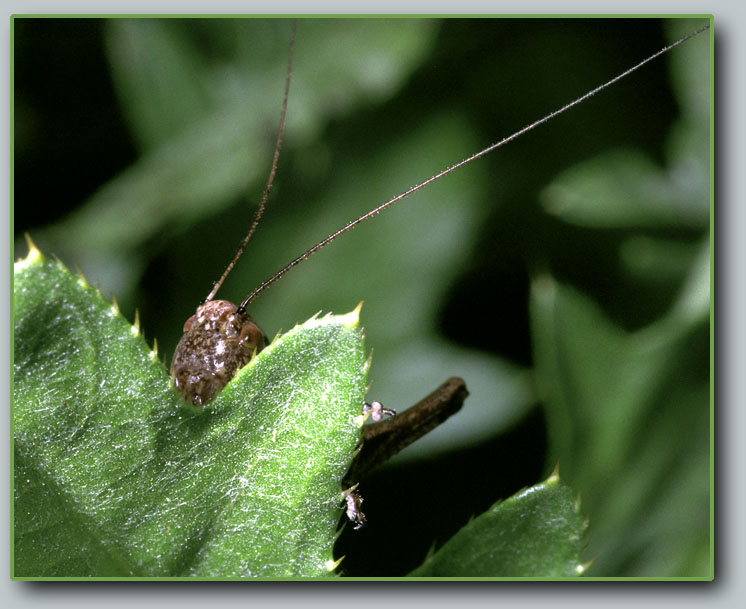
(31, 245)
(580, 569)
(82, 279)
(352, 318)
(33, 256)
(331, 565)
(554, 477)
(349, 491)
(114, 305)
(60, 264)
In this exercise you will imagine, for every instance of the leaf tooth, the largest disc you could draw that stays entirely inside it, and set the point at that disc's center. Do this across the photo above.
(114, 303)
(60, 263)
(352, 318)
(82, 279)
(154, 350)
(359, 307)
(344, 493)
(582, 568)
(34, 255)
(431, 549)
(554, 477)
(136, 323)
(337, 535)
(331, 565)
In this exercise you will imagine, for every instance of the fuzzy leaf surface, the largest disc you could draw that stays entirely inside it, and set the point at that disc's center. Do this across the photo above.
(115, 476)
(538, 532)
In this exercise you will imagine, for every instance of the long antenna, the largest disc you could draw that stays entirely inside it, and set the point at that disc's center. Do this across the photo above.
(373, 212)
(272, 172)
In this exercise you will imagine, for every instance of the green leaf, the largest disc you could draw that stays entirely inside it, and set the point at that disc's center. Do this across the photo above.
(538, 532)
(622, 188)
(635, 404)
(179, 81)
(115, 476)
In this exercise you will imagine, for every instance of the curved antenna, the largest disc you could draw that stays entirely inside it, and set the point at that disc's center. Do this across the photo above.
(437, 176)
(272, 172)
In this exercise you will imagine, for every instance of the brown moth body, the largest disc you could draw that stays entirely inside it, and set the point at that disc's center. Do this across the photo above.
(218, 341)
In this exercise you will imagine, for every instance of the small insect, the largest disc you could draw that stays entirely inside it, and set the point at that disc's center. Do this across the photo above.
(377, 411)
(221, 338)
(353, 501)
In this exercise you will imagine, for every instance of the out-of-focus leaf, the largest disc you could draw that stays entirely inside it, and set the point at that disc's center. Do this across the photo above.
(654, 260)
(158, 97)
(627, 416)
(623, 188)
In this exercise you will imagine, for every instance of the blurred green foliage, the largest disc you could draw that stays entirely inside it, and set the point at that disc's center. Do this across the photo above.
(565, 277)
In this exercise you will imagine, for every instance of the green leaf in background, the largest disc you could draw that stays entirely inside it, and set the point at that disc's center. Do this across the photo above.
(626, 414)
(114, 476)
(538, 532)
(624, 188)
